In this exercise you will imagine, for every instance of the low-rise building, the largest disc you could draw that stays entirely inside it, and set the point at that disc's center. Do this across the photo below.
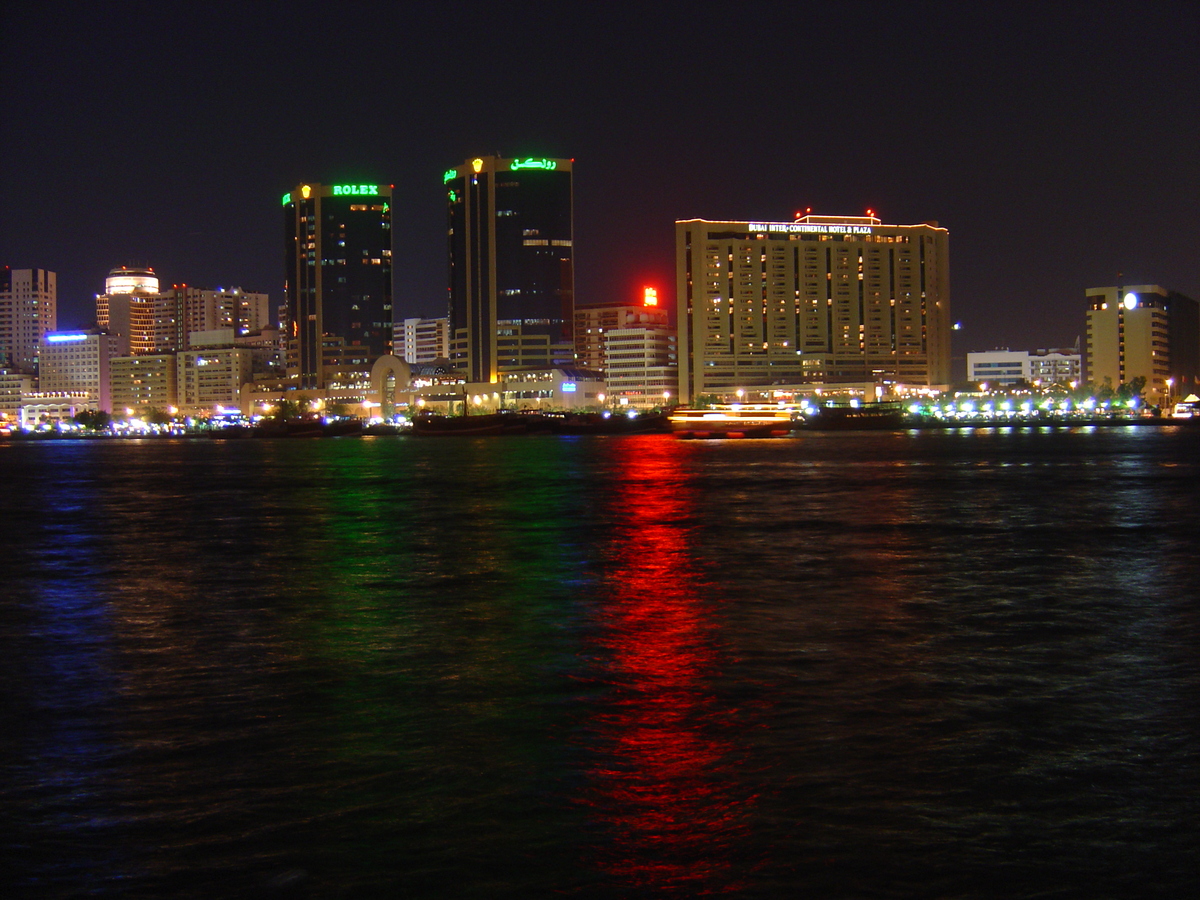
(1005, 368)
(47, 409)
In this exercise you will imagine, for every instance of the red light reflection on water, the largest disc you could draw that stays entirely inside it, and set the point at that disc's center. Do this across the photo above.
(665, 781)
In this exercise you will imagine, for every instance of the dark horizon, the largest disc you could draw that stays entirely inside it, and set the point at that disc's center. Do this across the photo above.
(1058, 150)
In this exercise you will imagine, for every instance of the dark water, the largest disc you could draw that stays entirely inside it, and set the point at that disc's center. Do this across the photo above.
(957, 664)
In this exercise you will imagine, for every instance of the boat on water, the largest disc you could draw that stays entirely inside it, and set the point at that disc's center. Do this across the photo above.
(735, 421)
(486, 424)
(607, 423)
(882, 416)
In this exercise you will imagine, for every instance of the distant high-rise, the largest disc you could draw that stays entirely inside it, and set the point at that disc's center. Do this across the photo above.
(149, 320)
(28, 309)
(338, 272)
(511, 254)
(821, 300)
(129, 309)
(1144, 331)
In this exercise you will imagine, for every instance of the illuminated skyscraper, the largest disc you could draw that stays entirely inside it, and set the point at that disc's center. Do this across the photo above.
(338, 272)
(821, 300)
(28, 309)
(512, 279)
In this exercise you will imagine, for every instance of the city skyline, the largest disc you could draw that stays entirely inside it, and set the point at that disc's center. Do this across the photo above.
(1055, 149)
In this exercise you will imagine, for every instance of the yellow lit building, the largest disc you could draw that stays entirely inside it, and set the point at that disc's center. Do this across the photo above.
(1143, 331)
(144, 382)
(821, 300)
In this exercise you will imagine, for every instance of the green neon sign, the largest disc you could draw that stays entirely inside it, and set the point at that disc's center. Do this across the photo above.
(287, 198)
(453, 197)
(450, 173)
(531, 163)
(356, 190)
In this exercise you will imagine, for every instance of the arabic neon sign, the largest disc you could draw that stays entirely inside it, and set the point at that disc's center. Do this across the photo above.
(449, 176)
(531, 163)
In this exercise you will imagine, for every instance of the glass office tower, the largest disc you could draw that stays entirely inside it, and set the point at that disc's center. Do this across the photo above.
(339, 272)
(511, 257)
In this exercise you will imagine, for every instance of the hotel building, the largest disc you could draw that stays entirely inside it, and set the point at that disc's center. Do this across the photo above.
(1144, 330)
(821, 300)
(338, 272)
(511, 256)
(28, 309)
(78, 362)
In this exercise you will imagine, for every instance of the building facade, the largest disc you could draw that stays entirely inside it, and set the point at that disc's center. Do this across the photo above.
(424, 340)
(28, 310)
(641, 368)
(511, 264)
(13, 384)
(148, 320)
(78, 362)
(594, 322)
(338, 272)
(1004, 368)
(130, 309)
(144, 382)
(822, 300)
(1143, 331)
(212, 378)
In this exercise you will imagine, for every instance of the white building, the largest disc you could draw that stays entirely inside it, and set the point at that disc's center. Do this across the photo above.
(424, 340)
(49, 409)
(594, 322)
(28, 310)
(1004, 368)
(1055, 366)
(823, 299)
(642, 369)
(74, 362)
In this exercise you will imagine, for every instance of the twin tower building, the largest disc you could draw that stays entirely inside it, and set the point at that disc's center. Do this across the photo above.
(511, 268)
(817, 300)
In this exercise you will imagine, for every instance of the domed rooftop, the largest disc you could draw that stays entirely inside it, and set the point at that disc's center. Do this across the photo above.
(131, 280)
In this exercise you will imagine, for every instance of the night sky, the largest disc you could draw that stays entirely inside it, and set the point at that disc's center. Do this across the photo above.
(1057, 142)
